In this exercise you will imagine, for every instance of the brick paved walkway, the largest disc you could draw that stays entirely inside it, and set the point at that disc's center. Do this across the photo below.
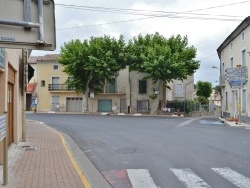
(41, 161)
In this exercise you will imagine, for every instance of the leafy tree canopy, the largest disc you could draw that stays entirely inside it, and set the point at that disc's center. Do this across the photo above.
(203, 89)
(161, 58)
(93, 61)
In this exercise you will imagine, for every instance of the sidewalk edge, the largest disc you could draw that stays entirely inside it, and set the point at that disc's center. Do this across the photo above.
(88, 173)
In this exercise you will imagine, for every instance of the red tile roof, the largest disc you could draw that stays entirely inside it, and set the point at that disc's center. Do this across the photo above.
(48, 57)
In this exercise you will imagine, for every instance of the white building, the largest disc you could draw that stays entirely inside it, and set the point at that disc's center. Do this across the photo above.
(233, 52)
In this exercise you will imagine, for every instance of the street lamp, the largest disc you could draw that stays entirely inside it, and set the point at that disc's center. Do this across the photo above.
(214, 67)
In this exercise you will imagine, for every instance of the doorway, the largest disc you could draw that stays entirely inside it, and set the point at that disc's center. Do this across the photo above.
(10, 109)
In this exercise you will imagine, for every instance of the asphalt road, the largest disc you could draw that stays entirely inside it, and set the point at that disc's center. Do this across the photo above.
(173, 152)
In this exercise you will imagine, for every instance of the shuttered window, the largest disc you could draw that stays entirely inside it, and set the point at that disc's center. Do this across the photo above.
(142, 86)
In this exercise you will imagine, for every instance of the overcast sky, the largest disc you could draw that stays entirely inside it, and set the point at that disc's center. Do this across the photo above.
(206, 23)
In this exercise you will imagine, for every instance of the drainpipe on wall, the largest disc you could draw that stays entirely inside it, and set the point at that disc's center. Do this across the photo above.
(24, 69)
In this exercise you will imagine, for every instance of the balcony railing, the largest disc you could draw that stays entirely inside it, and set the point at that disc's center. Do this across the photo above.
(60, 87)
(108, 89)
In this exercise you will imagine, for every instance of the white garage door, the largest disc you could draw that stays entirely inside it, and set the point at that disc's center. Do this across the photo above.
(74, 104)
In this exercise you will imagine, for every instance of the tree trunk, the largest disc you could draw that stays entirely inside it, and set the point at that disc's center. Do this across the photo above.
(86, 96)
(155, 103)
(85, 102)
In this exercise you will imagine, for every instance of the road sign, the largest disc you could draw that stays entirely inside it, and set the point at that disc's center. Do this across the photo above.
(27, 24)
(2, 127)
(230, 70)
(236, 76)
(237, 87)
(237, 83)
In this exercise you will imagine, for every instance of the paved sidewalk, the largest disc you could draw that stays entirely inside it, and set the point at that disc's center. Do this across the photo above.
(41, 162)
(234, 124)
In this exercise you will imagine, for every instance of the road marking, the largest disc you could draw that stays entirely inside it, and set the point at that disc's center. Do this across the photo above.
(234, 177)
(140, 178)
(211, 122)
(189, 178)
(187, 122)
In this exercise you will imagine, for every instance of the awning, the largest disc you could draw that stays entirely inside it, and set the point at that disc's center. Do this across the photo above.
(30, 72)
(30, 87)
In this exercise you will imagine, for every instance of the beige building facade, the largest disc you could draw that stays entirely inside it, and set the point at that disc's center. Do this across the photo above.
(234, 52)
(127, 93)
(11, 95)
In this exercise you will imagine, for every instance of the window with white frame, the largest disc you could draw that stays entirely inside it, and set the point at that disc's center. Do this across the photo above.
(142, 105)
(243, 57)
(179, 90)
(55, 67)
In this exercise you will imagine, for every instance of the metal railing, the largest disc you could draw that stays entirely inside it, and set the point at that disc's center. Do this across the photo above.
(60, 87)
(114, 89)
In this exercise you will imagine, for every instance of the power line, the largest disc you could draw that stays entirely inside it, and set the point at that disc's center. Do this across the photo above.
(120, 10)
(150, 16)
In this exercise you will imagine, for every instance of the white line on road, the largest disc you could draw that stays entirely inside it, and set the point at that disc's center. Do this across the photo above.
(189, 178)
(140, 178)
(234, 177)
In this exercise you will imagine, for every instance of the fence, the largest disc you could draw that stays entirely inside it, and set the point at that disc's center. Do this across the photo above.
(184, 106)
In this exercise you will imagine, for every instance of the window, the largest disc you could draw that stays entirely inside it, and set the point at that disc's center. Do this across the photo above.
(142, 86)
(223, 69)
(111, 85)
(142, 106)
(244, 101)
(179, 90)
(55, 104)
(55, 67)
(242, 36)
(55, 83)
(243, 57)
(42, 83)
(232, 62)
(226, 106)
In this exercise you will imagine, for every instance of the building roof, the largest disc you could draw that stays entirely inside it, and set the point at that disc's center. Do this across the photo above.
(48, 57)
(33, 59)
(241, 27)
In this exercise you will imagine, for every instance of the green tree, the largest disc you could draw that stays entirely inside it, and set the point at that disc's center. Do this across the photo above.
(92, 62)
(217, 89)
(164, 60)
(203, 89)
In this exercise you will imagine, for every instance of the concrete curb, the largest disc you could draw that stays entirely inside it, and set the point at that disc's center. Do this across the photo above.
(94, 177)
(232, 124)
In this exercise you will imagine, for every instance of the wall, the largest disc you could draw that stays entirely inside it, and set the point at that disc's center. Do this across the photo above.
(237, 46)
(12, 61)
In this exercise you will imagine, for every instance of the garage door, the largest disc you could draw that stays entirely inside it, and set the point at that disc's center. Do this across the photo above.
(74, 104)
(104, 105)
